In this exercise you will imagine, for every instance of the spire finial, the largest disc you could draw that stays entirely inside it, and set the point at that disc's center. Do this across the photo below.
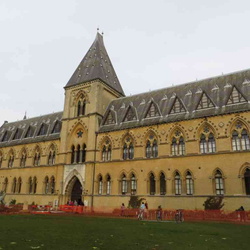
(97, 29)
(25, 117)
(102, 33)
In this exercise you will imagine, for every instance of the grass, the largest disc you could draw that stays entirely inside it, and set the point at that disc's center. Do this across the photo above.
(79, 232)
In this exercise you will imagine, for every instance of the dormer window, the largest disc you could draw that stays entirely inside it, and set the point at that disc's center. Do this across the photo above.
(130, 115)
(152, 111)
(18, 134)
(6, 136)
(236, 97)
(57, 127)
(30, 132)
(177, 107)
(43, 129)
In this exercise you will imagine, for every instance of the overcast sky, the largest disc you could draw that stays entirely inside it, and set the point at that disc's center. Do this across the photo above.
(152, 44)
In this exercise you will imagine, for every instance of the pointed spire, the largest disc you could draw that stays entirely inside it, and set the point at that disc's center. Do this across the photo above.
(25, 116)
(96, 64)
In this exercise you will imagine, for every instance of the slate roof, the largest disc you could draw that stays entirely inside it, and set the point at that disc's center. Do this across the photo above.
(218, 89)
(35, 124)
(96, 64)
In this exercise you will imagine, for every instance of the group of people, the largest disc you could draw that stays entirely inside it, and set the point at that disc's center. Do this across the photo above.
(75, 203)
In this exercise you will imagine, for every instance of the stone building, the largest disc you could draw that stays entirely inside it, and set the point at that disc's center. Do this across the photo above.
(174, 146)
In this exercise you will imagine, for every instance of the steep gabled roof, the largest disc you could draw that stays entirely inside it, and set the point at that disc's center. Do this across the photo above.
(96, 64)
(216, 89)
(29, 130)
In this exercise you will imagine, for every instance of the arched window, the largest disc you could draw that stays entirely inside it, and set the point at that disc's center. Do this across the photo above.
(128, 149)
(108, 183)
(23, 159)
(152, 184)
(5, 185)
(219, 183)
(19, 185)
(46, 185)
(52, 155)
(124, 184)
(133, 184)
(30, 185)
(162, 184)
(14, 185)
(178, 143)
(11, 160)
(189, 184)
(247, 181)
(106, 151)
(240, 137)
(81, 105)
(177, 180)
(84, 153)
(73, 154)
(100, 185)
(151, 147)
(207, 143)
(37, 158)
(34, 185)
(78, 154)
(52, 185)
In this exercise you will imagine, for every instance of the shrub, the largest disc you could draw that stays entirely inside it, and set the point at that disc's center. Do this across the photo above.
(135, 201)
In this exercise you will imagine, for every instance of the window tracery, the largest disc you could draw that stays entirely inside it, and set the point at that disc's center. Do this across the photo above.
(11, 160)
(151, 146)
(81, 106)
(205, 102)
(152, 111)
(207, 141)
(106, 151)
(177, 107)
(163, 189)
(178, 143)
(240, 137)
(23, 159)
(128, 148)
(37, 157)
(177, 181)
(219, 183)
(152, 184)
(189, 184)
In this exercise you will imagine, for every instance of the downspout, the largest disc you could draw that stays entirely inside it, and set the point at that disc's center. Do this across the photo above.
(93, 179)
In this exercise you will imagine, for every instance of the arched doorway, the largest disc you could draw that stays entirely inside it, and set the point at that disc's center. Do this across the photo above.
(247, 181)
(74, 190)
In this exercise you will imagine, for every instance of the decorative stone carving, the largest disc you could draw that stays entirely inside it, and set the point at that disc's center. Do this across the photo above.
(190, 129)
(221, 124)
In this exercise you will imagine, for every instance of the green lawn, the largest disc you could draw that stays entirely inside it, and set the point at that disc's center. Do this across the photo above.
(79, 232)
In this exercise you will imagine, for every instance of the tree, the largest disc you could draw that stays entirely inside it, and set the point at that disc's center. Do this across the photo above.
(213, 203)
(134, 201)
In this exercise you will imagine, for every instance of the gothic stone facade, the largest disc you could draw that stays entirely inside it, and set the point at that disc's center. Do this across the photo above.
(174, 147)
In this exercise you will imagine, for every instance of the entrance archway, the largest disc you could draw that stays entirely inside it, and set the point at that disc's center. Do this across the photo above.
(74, 190)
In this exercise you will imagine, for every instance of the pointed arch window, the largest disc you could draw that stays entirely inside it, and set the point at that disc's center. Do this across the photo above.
(100, 185)
(219, 183)
(81, 106)
(19, 185)
(78, 153)
(133, 184)
(106, 151)
(11, 160)
(177, 180)
(124, 184)
(152, 184)
(5, 185)
(240, 138)
(52, 185)
(37, 158)
(207, 141)
(84, 153)
(247, 181)
(52, 155)
(151, 147)
(14, 186)
(178, 144)
(189, 184)
(108, 185)
(163, 188)
(30, 185)
(46, 185)
(128, 149)
(34, 185)
(23, 159)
